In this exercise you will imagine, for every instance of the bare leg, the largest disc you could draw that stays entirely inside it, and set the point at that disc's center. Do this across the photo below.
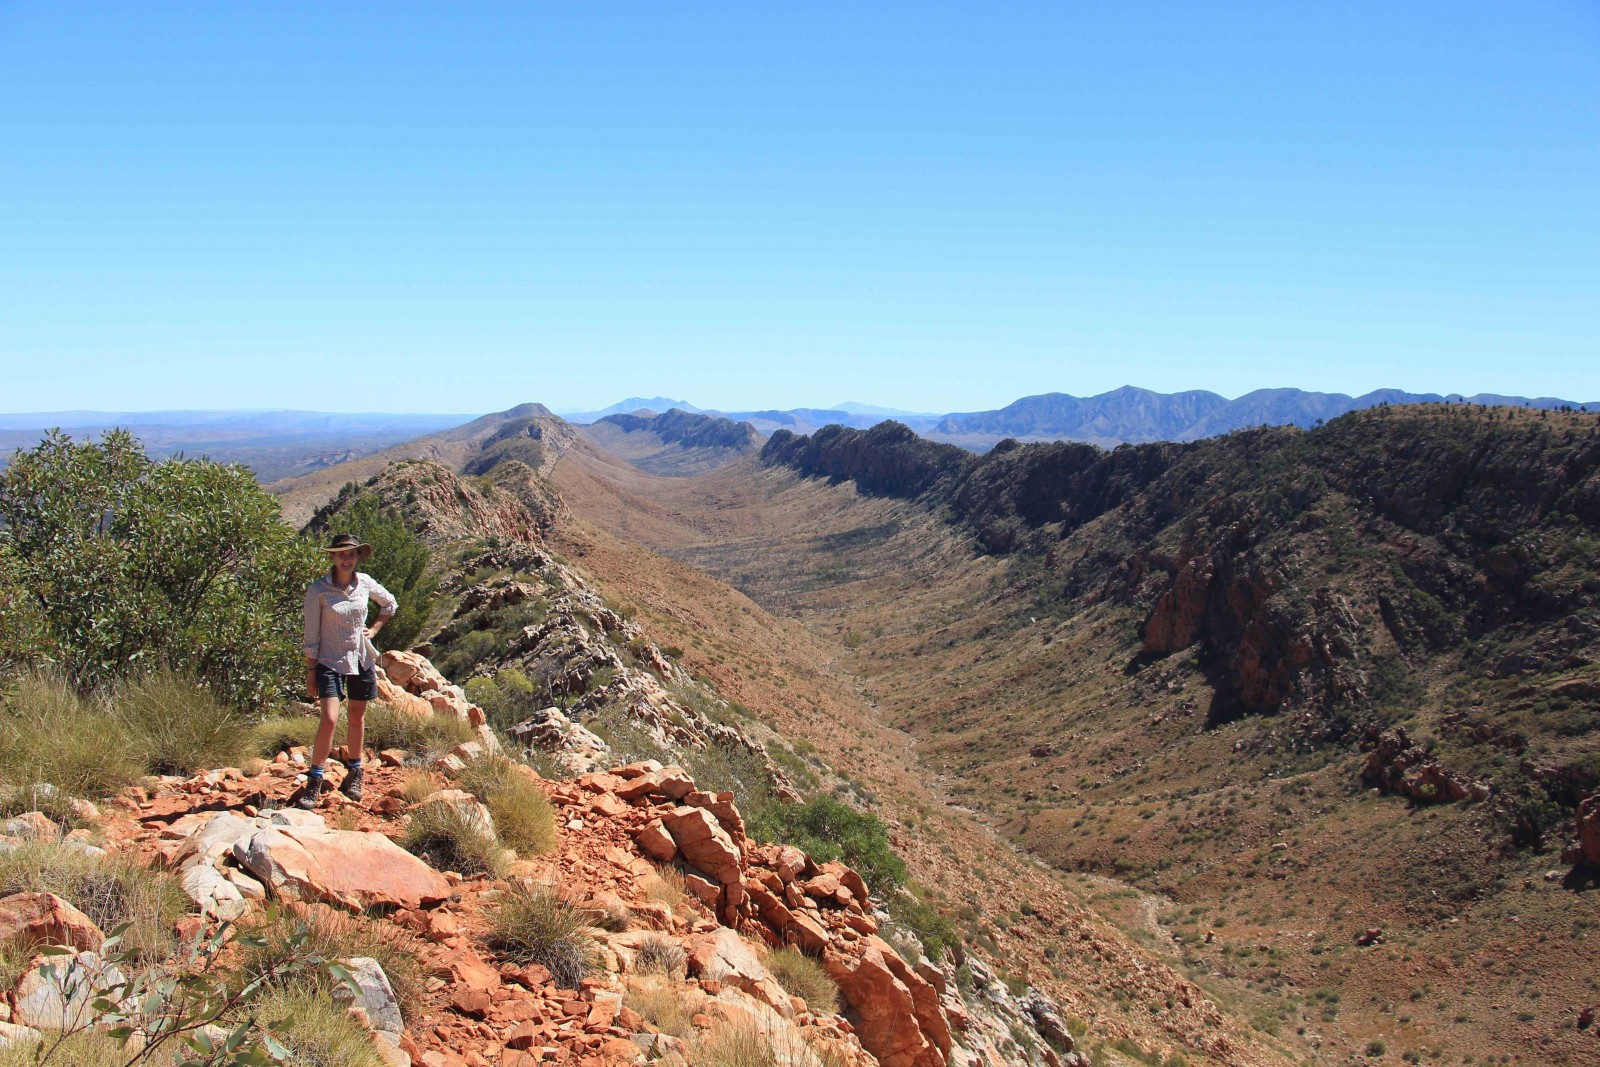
(355, 735)
(330, 718)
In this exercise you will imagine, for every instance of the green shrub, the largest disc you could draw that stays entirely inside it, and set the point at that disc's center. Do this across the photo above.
(332, 935)
(110, 890)
(316, 1031)
(399, 561)
(449, 840)
(828, 829)
(531, 924)
(522, 813)
(803, 977)
(506, 699)
(131, 563)
(909, 908)
(175, 726)
(51, 733)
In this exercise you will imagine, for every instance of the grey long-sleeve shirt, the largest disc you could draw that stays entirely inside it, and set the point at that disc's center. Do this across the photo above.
(336, 622)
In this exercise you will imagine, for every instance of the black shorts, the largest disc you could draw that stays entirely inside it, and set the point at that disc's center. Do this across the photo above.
(363, 686)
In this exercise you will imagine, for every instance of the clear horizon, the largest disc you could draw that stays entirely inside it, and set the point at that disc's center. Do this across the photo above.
(919, 208)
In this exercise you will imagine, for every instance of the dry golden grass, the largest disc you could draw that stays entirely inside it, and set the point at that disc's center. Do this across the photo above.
(522, 813)
(667, 886)
(335, 935)
(418, 787)
(803, 977)
(665, 1004)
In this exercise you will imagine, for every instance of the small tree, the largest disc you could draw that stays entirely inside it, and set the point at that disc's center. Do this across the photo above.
(399, 562)
(124, 563)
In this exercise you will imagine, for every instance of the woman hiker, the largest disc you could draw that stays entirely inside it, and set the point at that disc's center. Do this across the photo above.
(340, 657)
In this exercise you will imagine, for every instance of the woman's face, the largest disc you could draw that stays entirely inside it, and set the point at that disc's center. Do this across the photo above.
(344, 560)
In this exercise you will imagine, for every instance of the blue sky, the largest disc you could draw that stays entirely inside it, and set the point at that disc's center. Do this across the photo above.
(937, 207)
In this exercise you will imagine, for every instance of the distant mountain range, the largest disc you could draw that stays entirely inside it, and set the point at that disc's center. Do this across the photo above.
(1128, 415)
(1133, 415)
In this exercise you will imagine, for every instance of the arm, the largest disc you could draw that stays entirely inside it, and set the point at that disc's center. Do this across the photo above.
(311, 644)
(387, 604)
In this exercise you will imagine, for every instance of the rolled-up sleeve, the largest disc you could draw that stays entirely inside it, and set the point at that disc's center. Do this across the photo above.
(312, 644)
(387, 604)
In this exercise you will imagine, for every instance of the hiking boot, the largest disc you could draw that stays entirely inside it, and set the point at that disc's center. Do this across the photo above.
(310, 793)
(351, 786)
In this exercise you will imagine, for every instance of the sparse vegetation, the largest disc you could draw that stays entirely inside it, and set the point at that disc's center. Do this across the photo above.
(663, 1003)
(532, 924)
(320, 931)
(316, 1031)
(451, 840)
(523, 817)
(659, 955)
(175, 726)
(741, 1044)
(803, 977)
(111, 890)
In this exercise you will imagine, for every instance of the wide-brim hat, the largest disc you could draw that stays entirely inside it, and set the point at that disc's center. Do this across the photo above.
(344, 542)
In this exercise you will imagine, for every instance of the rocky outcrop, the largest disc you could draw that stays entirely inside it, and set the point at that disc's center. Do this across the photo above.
(1395, 764)
(293, 855)
(28, 920)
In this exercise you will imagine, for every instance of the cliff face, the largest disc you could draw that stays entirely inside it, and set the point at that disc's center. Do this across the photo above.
(1291, 558)
(887, 460)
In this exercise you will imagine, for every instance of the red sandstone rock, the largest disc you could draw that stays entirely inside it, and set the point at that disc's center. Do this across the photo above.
(900, 1026)
(345, 867)
(704, 843)
(654, 841)
(30, 919)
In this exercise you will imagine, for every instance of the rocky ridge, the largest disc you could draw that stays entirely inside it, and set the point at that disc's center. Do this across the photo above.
(231, 839)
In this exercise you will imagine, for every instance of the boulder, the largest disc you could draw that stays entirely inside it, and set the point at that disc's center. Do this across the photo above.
(411, 671)
(214, 894)
(902, 1023)
(654, 841)
(30, 919)
(370, 990)
(352, 869)
(1589, 829)
(704, 843)
(58, 992)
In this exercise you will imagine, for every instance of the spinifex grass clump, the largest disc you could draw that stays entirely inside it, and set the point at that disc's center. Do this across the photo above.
(320, 931)
(451, 840)
(316, 1031)
(803, 977)
(51, 733)
(176, 726)
(660, 955)
(522, 814)
(531, 924)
